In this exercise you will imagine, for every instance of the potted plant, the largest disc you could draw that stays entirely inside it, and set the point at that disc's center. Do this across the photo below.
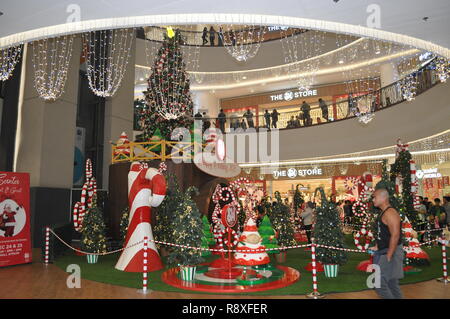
(328, 231)
(188, 230)
(93, 238)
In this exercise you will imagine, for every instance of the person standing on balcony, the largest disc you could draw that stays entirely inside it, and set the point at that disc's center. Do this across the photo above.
(206, 123)
(205, 35)
(243, 125)
(212, 36)
(306, 108)
(232, 38)
(324, 107)
(267, 119)
(220, 37)
(249, 116)
(222, 119)
(274, 118)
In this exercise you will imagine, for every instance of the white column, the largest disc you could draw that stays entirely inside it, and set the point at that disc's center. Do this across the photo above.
(119, 114)
(388, 74)
(45, 137)
(206, 101)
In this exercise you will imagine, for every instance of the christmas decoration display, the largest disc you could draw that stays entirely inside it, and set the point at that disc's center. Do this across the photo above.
(279, 216)
(122, 149)
(8, 61)
(167, 96)
(124, 225)
(88, 192)
(93, 238)
(328, 231)
(107, 53)
(267, 233)
(146, 188)
(207, 238)
(415, 255)
(188, 230)
(250, 251)
(243, 44)
(443, 69)
(365, 235)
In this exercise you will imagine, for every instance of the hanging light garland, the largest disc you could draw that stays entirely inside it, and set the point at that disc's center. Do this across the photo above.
(8, 60)
(244, 43)
(51, 59)
(408, 87)
(107, 55)
(442, 69)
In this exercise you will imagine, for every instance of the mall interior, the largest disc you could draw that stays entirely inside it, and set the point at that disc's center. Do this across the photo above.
(107, 111)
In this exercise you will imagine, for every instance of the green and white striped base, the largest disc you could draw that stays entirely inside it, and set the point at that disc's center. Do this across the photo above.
(187, 273)
(92, 259)
(331, 271)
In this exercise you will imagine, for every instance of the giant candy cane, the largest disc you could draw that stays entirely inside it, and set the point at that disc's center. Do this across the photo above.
(88, 192)
(146, 188)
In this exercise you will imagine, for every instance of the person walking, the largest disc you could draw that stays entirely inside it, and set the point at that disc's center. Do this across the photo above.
(388, 251)
(267, 118)
(220, 37)
(274, 116)
(222, 119)
(212, 36)
(324, 108)
(447, 208)
(307, 218)
(306, 108)
(205, 35)
(249, 116)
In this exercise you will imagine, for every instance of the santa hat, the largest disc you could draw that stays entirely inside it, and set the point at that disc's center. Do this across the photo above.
(250, 226)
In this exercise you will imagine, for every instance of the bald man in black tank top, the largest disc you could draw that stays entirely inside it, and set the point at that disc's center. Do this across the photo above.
(389, 249)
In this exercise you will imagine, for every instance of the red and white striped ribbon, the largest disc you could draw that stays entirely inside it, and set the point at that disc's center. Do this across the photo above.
(314, 268)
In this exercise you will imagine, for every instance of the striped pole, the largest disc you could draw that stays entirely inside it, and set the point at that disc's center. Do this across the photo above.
(315, 294)
(47, 243)
(144, 267)
(444, 279)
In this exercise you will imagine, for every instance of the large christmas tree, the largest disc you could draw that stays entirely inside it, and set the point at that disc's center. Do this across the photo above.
(280, 218)
(168, 99)
(328, 231)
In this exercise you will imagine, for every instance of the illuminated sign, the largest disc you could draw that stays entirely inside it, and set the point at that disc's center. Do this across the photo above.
(290, 95)
(428, 173)
(293, 172)
(276, 28)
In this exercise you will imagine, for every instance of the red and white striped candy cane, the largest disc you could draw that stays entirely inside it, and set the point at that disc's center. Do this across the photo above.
(76, 223)
(315, 294)
(444, 261)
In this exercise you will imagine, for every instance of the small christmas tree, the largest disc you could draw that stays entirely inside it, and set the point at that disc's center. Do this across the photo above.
(328, 231)
(207, 239)
(93, 238)
(187, 230)
(124, 225)
(280, 214)
(268, 235)
(298, 199)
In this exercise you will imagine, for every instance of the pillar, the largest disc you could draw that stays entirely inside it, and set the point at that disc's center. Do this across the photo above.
(388, 74)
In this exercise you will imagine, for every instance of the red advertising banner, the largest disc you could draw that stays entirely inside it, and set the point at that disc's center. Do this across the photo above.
(440, 183)
(446, 180)
(15, 234)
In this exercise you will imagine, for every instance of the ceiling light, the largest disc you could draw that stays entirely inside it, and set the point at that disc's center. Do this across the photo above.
(341, 61)
(141, 79)
(244, 77)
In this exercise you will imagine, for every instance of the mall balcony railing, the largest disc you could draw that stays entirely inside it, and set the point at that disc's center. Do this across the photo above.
(388, 96)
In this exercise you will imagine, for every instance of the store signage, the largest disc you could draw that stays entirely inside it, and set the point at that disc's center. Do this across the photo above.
(15, 233)
(291, 95)
(276, 28)
(428, 173)
(293, 172)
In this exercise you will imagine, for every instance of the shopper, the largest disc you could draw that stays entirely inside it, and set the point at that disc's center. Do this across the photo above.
(220, 37)
(348, 211)
(306, 108)
(274, 118)
(422, 215)
(427, 204)
(249, 116)
(438, 213)
(205, 35)
(243, 125)
(447, 208)
(388, 251)
(267, 118)
(206, 122)
(291, 123)
(212, 36)
(232, 37)
(222, 119)
(324, 108)
(307, 217)
(234, 121)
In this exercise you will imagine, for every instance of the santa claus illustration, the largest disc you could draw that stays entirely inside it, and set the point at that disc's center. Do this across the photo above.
(9, 221)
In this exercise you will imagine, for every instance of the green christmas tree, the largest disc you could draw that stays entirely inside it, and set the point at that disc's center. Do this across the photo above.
(168, 90)
(187, 230)
(279, 216)
(124, 225)
(298, 199)
(207, 238)
(93, 239)
(268, 235)
(166, 212)
(328, 231)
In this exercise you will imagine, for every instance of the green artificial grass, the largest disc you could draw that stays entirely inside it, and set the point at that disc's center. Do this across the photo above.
(348, 279)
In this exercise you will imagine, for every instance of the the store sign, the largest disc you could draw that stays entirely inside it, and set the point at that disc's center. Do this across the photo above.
(428, 173)
(15, 234)
(292, 95)
(276, 28)
(293, 172)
